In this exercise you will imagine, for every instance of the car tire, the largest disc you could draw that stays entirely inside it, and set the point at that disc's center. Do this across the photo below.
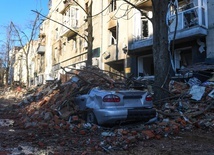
(91, 118)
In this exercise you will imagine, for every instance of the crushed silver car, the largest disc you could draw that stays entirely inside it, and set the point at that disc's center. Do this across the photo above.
(115, 106)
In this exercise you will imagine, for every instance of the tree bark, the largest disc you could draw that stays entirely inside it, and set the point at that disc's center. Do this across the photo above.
(162, 65)
(90, 35)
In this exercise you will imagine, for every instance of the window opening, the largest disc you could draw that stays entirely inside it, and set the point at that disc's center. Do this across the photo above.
(145, 31)
(113, 5)
(113, 35)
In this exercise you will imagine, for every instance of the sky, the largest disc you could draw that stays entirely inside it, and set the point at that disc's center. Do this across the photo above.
(19, 12)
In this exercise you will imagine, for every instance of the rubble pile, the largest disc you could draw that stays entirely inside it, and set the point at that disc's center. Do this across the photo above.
(192, 101)
(53, 103)
(51, 107)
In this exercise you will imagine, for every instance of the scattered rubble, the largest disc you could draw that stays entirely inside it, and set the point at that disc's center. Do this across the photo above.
(51, 107)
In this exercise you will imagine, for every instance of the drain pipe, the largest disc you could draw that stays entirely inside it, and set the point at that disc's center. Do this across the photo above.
(101, 46)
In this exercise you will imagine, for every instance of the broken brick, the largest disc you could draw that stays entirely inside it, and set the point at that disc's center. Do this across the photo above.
(158, 137)
(131, 139)
(148, 133)
(82, 132)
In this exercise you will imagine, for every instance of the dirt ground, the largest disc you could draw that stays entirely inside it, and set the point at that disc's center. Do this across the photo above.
(17, 141)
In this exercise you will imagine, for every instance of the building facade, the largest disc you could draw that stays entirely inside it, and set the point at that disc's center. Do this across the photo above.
(191, 34)
(122, 37)
(65, 36)
(21, 58)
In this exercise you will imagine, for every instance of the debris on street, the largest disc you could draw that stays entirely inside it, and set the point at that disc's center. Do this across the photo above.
(51, 107)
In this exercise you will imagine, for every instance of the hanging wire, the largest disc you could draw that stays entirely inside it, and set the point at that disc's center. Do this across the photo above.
(172, 5)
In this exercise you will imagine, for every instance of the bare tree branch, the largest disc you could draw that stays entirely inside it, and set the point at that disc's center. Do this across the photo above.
(80, 6)
(29, 43)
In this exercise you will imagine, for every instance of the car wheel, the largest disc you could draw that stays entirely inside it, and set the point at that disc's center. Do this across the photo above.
(91, 118)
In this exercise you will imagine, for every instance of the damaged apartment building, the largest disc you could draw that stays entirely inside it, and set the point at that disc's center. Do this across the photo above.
(122, 38)
(193, 41)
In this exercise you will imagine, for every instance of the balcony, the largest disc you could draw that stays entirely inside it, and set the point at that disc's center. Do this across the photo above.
(192, 22)
(69, 28)
(65, 5)
(41, 49)
(187, 18)
(70, 21)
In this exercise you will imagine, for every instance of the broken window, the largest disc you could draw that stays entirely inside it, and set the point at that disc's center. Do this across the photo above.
(145, 66)
(189, 11)
(186, 58)
(145, 30)
(190, 18)
(183, 58)
(113, 35)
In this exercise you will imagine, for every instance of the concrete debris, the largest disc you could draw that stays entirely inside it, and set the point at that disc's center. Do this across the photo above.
(51, 107)
(194, 82)
(6, 122)
(197, 92)
(211, 94)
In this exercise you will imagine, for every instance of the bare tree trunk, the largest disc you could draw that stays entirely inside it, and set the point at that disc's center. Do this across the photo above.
(90, 35)
(27, 67)
(6, 76)
(162, 65)
(7, 55)
(2, 78)
(1, 73)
